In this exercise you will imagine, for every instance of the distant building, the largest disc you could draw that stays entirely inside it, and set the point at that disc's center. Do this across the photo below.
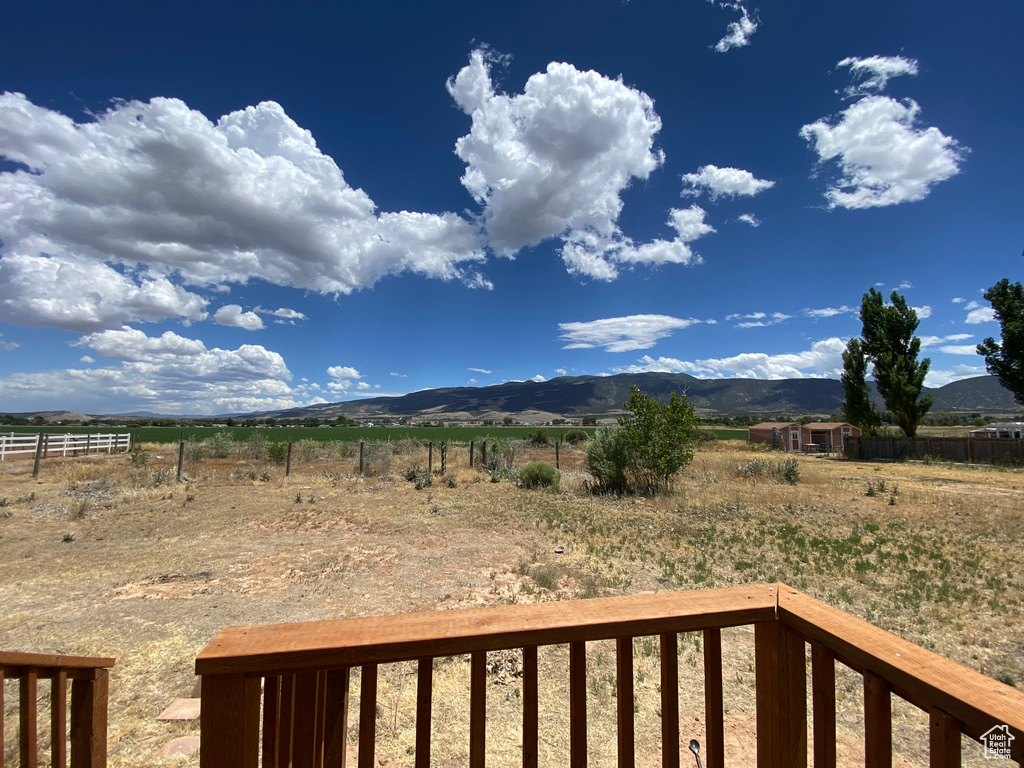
(1006, 430)
(821, 436)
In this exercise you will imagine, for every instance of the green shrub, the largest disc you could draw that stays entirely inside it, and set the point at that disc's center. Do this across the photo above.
(308, 450)
(277, 452)
(575, 436)
(194, 451)
(219, 445)
(608, 458)
(539, 438)
(785, 471)
(138, 457)
(537, 474)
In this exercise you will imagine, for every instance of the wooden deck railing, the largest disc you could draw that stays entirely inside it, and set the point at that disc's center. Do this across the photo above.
(277, 695)
(88, 721)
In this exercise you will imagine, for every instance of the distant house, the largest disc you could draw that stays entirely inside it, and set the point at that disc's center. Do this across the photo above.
(1012, 430)
(824, 436)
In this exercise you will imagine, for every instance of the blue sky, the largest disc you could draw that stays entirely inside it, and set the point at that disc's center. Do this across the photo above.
(206, 208)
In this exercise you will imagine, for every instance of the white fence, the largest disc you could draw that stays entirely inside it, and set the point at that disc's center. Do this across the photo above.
(15, 444)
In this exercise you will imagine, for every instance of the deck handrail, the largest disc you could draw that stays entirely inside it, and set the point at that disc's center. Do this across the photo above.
(299, 675)
(87, 728)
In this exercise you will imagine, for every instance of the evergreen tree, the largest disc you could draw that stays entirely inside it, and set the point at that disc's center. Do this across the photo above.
(857, 409)
(1005, 359)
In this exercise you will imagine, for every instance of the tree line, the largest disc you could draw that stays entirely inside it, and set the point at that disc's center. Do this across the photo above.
(888, 346)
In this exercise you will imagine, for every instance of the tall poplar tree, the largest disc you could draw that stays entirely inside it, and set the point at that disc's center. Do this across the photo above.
(1005, 359)
(857, 408)
(888, 341)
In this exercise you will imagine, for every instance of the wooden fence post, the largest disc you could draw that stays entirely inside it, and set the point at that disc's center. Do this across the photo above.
(444, 458)
(470, 454)
(181, 457)
(39, 452)
(781, 680)
(288, 462)
(229, 721)
(557, 465)
(360, 457)
(430, 458)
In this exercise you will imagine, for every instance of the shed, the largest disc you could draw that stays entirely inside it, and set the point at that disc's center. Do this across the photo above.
(784, 435)
(828, 435)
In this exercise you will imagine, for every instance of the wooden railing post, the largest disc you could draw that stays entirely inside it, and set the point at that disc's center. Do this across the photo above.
(781, 680)
(669, 700)
(877, 721)
(531, 734)
(28, 736)
(229, 721)
(578, 705)
(477, 709)
(58, 719)
(714, 702)
(89, 721)
(424, 705)
(944, 740)
(624, 701)
(336, 718)
(367, 716)
(823, 693)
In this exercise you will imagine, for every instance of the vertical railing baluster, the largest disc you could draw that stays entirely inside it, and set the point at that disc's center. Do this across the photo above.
(624, 701)
(29, 734)
(2, 717)
(823, 692)
(477, 709)
(306, 696)
(321, 722)
(286, 733)
(367, 715)
(877, 721)
(531, 732)
(336, 719)
(271, 719)
(714, 704)
(670, 700)
(944, 740)
(58, 719)
(578, 704)
(424, 705)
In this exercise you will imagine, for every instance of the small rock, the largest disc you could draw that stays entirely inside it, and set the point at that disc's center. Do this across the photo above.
(559, 550)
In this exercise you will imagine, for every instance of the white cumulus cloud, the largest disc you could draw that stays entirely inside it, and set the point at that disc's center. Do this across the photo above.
(823, 360)
(727, 182)
(108, 219)
(283, 315)
(960, 349)
(538, 379)
(757, 319)
(932, 341)
(829, 311)
(233, 316)
(554, 160)
(749, 218)
(621, 334)
(883, 157)
(874, 72)
(936, 378)
(980, 315)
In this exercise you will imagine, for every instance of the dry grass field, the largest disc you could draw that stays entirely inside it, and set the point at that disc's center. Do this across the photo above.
(105, 556)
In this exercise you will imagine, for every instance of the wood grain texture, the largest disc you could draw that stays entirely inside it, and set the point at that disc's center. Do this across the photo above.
(286, 733)
(367, 716)
(478, 709)
(2, 710)
(944, 740)
(58, 720)
(781, 696)
(46, 664)
(877, 722)
(271, 720)
(714, 700)
(578, 705)
(424, 710)
(923, 678)
(28, 735)
(336, 718)
(305, 748)
(823, 698)
(228, 722)
(625, 735)
(276, 648)
(531, 732)
(669, 700)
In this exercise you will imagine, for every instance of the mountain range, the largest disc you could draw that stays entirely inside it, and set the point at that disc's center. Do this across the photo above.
(576, 396)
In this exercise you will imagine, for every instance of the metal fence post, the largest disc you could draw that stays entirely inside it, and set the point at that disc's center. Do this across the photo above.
(181, 458)
(39, 451)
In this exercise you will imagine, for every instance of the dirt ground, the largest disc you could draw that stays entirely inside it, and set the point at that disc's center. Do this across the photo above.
(109, 557)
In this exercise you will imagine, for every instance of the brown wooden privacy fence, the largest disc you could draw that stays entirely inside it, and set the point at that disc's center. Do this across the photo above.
(85, 730)
(960, 449)
(277, 695)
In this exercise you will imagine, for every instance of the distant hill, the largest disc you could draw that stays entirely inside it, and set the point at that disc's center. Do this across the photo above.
(574, 396)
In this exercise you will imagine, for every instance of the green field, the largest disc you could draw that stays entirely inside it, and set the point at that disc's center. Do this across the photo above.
(340, 434)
